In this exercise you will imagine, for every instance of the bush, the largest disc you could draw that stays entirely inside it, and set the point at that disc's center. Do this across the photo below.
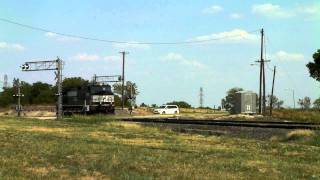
(180, 104)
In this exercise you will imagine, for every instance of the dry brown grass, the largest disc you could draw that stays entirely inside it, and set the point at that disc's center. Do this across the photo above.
(42, 171)
(297, 115)
(47, 130)
(198, 110)
(300, 133)
(119, 150)
(142, 111)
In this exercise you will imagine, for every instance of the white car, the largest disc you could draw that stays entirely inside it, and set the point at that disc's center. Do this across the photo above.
(167, 109)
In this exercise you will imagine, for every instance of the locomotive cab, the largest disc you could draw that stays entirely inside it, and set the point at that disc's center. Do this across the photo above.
(101, 98)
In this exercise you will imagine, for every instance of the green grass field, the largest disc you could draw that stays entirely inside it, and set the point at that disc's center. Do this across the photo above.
(99, 148)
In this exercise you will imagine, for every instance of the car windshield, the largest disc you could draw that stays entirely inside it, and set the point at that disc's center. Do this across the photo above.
(162, 107)
(101, 90)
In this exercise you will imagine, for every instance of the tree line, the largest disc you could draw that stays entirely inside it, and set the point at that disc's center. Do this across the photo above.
(40, 93)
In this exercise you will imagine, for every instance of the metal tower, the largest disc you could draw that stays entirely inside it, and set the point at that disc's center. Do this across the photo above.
(201, 97)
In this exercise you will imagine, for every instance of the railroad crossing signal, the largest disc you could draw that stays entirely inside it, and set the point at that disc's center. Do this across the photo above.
(18, 94)
(55, 65)
(57, 75)
(40, 65)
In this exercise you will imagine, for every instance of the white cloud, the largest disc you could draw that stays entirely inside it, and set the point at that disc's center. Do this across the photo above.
(271, 10)
(96, 57)
(175, 57)
(233, 36)
(58, 37)
(285, 56)
(309, 9)
(112, 58)
(50, 34)
(11, 46)
(86, 57)
(236, 16)
(212, 10)
(130, 45)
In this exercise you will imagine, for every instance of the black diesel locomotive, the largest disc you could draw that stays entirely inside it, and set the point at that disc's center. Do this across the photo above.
(92, 98)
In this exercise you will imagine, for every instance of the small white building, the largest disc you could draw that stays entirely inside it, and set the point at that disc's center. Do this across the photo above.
(246, 102)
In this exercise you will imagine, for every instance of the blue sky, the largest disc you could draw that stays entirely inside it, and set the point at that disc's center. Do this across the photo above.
(168, 72)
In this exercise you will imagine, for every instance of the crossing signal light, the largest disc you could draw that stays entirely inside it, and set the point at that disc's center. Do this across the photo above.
(25, 67)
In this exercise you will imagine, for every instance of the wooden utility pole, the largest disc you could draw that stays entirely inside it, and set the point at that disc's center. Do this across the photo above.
(59, 84)
(122, 78)
(264, 89)
(271, 98)
(261, 73)
(294, 101)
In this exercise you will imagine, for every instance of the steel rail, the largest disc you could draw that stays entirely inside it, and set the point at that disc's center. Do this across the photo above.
(258, 124)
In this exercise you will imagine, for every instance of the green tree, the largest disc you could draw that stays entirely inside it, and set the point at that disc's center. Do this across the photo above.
(316, 104)
(74, 82)
(143, 105)
(42, 93)
(276, 103)
(26, 90)
(130, 92)
(305, 103)
(180, 104)
(230, 99)
(130, 88)
(6, 97)
(279, 104)
(314, 67)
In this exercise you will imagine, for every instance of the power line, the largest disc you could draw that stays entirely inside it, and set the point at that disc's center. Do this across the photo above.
(115, 41)
(283, 68)
(265, 52)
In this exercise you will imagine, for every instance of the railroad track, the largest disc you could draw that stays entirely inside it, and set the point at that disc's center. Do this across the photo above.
(257, 124)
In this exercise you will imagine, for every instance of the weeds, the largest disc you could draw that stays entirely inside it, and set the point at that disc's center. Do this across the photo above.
(100, 148)
(297, 115)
